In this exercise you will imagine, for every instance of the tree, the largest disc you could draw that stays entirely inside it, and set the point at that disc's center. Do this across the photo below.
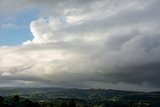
(16, 99)
(72, 104)
(1, 101)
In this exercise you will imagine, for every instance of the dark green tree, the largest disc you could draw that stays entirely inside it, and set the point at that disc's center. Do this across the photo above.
(72, 104)
(16, 99)
(1, 101)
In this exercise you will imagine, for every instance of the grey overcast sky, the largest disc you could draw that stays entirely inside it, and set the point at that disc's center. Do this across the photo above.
(111, 44)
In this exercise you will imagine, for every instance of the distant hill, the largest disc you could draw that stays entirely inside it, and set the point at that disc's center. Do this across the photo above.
(88, 95)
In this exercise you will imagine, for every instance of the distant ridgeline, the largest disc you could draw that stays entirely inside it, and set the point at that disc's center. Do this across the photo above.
(61, 97)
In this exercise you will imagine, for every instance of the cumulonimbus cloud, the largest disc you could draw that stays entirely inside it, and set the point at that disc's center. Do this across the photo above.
(112, 46)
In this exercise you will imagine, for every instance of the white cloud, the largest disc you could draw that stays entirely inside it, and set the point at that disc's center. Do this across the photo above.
(9, 26)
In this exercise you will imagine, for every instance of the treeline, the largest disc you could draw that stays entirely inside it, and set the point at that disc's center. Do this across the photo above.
(16, 101)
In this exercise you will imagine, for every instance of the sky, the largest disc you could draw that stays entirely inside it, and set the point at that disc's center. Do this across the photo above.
(110, 44)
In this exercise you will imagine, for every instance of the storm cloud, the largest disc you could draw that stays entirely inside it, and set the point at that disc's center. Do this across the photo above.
(86, 44)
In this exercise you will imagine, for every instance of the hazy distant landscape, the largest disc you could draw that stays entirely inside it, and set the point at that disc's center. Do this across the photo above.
(62, 97)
